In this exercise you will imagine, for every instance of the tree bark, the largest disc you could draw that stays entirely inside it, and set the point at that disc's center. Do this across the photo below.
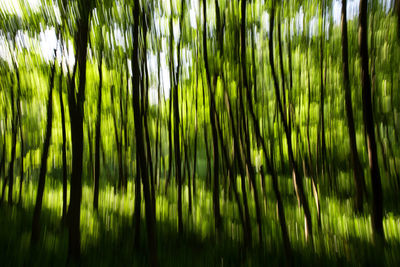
(98, 137)
(150, 218)
(43, 167)
(377, 209)
(213, 114)
(247, 133)
(297, 178)
(76, 110)
(357, 168)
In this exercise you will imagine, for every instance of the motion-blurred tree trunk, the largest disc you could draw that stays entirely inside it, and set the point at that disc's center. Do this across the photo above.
(21, 178)
(377, 210)
(321, 143)
(64, 148)
(213, 114)
(250, 167)
(145, 111)
(176, 122)
(357, 168)
(3, 154)
(297, 178)
(140, 150)
(118, 142)
(76, 110)
(310, 158)
(43, 167)
(195, 125)
(98, 135)
(14, 130)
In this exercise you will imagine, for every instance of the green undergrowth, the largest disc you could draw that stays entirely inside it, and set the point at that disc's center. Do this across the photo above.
(344, 238)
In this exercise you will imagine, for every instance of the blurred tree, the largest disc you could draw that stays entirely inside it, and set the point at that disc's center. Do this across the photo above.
(357, 168)
(377, 211)
(43, 167)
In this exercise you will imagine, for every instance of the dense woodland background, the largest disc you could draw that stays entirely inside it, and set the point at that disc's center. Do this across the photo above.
(199, 132)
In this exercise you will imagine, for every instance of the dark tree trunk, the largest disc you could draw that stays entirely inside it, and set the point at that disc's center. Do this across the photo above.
(43, 167)
(124, 181)
(195, 133)
(172, 82)
(150, 218)
(21, 180)
(76, 110)
(3, 155)
(118, 142)
(176, 122)
(64, 150)
(377, 210)
(357, 168)
(322, 96)
(297, 178)
(144, 114)
(98, 137)
(249, 101)
(239, 162)
(213, 114)
(14, 139)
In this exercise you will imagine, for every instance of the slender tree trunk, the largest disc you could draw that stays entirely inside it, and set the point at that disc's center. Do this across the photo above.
(195, 131)
(64, 150)
(357, 168)
(43, 167)
(3, 157)
(249, 101)
(239, 162)
(377, 210)
(322, 95)
(297, 178)
(14, 139)
(172, 82)
(98, 137)
(144, 114)
(118, 142)
(21, 180)
(150, 218)
(124, 181)
(213, 114)
(314, 183)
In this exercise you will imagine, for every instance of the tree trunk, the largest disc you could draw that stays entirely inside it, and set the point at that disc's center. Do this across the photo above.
(310, 159)
(249, 101)
(98, 137)
(43, 167)
(357, 168)
(322, 96)
(297, 178)
(76, 110)
(213, 114)
(377, 210)
(21, 180)
(150, 218)
(118, 142)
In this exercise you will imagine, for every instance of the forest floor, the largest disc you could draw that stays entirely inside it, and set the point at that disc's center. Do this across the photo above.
(108, 236)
